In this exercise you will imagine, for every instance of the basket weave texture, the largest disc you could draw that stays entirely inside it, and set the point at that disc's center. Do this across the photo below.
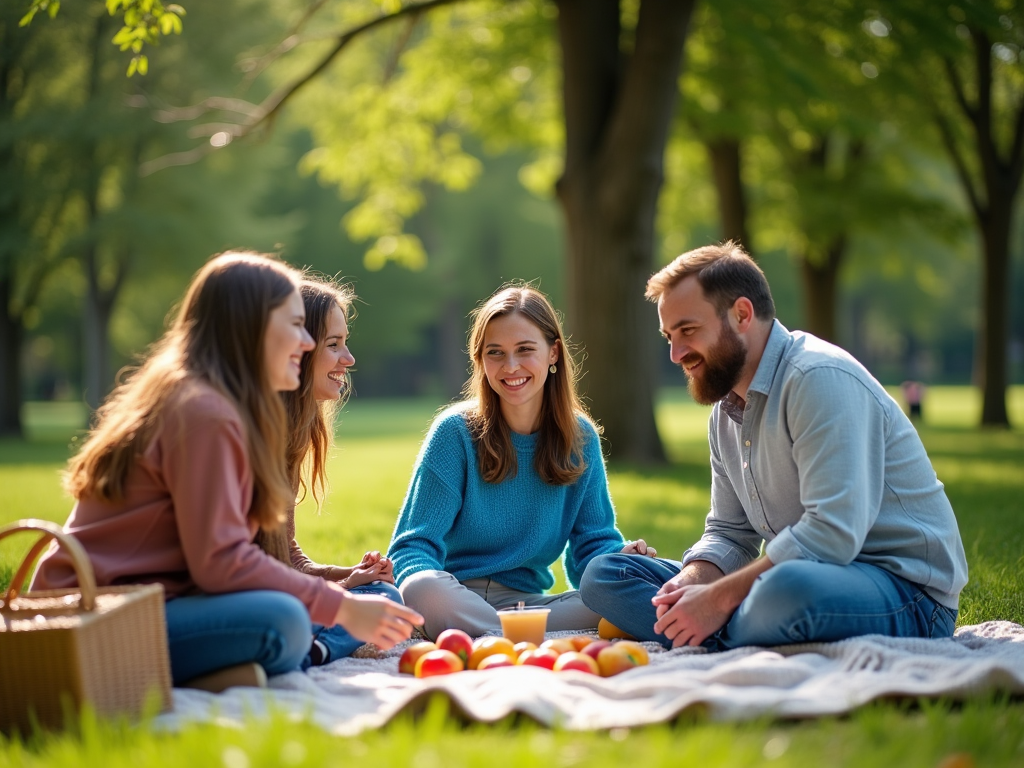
(105, 647)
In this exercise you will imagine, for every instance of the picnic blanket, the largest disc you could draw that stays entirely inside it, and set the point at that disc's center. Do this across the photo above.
(795, 681)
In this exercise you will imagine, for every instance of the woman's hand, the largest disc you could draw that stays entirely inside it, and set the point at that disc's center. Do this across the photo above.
(376, 619)
(373, 567)
(639, 547)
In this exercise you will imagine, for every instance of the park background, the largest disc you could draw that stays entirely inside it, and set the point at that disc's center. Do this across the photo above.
(869, 158)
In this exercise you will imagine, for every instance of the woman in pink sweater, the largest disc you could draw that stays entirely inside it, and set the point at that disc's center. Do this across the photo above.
(187, 462)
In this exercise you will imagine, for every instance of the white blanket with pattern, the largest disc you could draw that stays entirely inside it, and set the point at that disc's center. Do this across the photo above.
(798, 681)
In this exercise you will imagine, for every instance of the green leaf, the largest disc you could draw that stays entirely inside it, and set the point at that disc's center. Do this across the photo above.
(133, 65)
(143, 64)
(175, 8)
(112, 6)
(52, 8)
(27, 18)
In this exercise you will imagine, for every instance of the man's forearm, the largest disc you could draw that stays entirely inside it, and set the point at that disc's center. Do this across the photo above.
(733, 589)
(700, 572)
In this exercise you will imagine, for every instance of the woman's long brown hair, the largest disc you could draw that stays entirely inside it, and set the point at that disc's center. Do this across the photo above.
(311, 423)
(217, 337)
(559, 455)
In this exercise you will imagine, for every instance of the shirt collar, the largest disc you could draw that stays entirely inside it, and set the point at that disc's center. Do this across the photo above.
(778, 340)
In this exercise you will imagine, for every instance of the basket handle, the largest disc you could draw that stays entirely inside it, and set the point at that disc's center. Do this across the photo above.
(79, 559)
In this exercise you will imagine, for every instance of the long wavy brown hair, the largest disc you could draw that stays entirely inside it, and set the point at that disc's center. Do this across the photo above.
(312, 423)
(217, 337)
(559, 456)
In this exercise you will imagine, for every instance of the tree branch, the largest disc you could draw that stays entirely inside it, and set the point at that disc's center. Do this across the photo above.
(958, 89)
(1016, 161)
(949, 140)
(265, 111)
(273, 103)
(257, 65)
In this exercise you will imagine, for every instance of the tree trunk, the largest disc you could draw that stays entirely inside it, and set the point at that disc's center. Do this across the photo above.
(726, 168)
(993, 335)
(821, 290)
(993, 205)
(10, 362)
(617, 114)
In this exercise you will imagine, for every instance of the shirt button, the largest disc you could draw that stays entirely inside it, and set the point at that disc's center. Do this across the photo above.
(744, 465)
(747, 443)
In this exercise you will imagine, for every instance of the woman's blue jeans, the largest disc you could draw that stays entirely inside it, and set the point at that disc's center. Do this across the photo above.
(796, 601)
(208, 632)
(338, 642)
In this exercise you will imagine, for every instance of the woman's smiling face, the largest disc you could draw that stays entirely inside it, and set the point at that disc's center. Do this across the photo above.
(332, 358)
(516, 357)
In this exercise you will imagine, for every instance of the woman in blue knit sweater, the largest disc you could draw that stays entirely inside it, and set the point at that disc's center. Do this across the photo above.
(507, 482)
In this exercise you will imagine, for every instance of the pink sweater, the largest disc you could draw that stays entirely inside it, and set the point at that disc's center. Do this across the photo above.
(183, 521)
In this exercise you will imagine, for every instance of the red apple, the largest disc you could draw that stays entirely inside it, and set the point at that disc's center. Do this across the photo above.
(541, 657)
(595, 648)
(458, 642)
(438, 663)
(576, 661)
(495, 661)
(407, 664)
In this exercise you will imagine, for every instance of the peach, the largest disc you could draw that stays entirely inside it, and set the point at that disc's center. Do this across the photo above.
(524, 646)
(595, 648)
(579, 642)
(456, 641)
(495, 661)
(621, 657)
(540, 657)
(407, 664)
(438, 662)
(608, 631)
(577, 662)
(488, 646)
(560, 646)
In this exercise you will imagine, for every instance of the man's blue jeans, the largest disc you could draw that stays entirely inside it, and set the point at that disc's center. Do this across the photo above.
(796, 601)
(340, 643)
(208, 632)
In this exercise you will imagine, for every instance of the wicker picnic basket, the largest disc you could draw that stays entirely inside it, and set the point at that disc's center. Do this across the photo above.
(64, 648)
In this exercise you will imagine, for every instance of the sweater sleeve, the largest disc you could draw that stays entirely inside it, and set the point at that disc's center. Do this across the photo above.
(431, 503)
(206, 469)
(594, 532)
(301, 562)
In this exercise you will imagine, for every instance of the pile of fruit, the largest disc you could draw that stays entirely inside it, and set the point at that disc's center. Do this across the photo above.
(455, 651)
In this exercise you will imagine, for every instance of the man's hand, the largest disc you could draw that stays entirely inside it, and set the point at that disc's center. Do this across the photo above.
(695, 572)
(639, 547)
(691, 614)
(699, 601)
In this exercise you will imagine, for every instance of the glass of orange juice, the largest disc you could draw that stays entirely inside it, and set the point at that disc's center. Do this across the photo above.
(524, 625)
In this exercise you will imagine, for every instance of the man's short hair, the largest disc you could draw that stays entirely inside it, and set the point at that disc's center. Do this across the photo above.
(725, 272)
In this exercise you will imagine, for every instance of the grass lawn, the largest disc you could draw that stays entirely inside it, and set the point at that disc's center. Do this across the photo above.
(984, 476)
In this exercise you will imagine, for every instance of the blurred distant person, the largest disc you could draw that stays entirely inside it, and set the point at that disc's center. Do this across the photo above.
(810, 456)
(913, 393)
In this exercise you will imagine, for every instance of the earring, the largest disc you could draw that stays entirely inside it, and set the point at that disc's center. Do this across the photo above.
(553, 368)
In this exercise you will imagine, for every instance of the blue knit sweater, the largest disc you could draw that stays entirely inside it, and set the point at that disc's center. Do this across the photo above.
(454, 521)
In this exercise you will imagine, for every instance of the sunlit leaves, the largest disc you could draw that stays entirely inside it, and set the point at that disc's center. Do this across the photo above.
(409, 96)
(145, 22)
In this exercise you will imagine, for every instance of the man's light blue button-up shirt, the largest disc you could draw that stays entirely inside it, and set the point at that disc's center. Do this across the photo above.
(826, 466)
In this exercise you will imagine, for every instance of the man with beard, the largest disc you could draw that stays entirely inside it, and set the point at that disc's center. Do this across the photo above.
(827, 520)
